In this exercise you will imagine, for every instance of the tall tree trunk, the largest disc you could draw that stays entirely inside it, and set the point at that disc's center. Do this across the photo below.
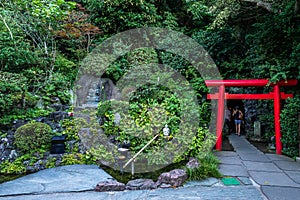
(297, 7)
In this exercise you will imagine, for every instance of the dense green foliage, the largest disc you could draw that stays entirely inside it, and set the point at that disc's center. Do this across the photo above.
(42, 44)
(290, 120)
(13, 89)
(141, 125)
(208, 167)
(32, 137)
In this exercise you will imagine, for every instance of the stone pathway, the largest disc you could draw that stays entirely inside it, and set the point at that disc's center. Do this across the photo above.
(71, 178)
(259, 177)
(276, 176)
(78, 182)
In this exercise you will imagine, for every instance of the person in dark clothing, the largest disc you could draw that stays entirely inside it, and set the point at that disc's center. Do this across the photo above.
(228, 119)
(238, 117)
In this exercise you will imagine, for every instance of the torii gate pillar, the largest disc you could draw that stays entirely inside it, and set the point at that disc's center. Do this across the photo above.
(276, 95)
(277, 119)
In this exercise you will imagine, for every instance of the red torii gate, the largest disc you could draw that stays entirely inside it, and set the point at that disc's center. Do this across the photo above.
(276, 95)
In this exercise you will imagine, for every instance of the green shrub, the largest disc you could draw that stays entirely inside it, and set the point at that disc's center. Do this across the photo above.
(290, 126)
(15, 167)
(72, 159)
(12, 91)
(51, 163)
(149, 109)
(72, 127)
(101, 153)
(202, 142)
(34, 136)
(57, 86)
(77, 158)
(208, 168)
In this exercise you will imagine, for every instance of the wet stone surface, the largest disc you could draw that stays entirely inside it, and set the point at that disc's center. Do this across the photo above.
(141, 184)
(174, 178)
(110, 185)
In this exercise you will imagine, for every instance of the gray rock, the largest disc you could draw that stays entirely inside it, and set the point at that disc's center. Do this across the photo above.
(37, 166)
(110, 185)
(71, 144)
(91, 139)
(7, 151)
(174, 178)
(58, 115)
(140, 184)
(31, 169)
(18, 123)
(110, 90)
(193, 163)
(58, 162)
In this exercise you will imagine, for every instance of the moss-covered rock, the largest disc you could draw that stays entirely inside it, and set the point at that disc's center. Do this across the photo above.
(33, 137)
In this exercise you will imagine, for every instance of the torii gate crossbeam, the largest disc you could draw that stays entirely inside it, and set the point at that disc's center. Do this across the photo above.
(276, 96)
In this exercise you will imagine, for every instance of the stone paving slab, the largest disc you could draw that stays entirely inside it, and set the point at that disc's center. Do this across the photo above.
(247, 149)
(273, 179)
(238, 141)
(294, 175)
(207, 182)
(278, 176)
(261, 166)
(236, 192)
(241, 145)
(225, 153)
(20, 187)
(230, 160)
(254, 157)
(274, 157)
(61, 179)
(288, 165)
(281, 193)
(191, 193)
(245, 180)
(233, 170)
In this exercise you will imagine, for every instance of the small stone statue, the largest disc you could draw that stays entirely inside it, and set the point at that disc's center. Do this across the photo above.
(117, 119)
(166, 131)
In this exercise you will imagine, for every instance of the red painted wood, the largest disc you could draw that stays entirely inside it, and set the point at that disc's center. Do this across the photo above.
(248, 83)
(250, 96)
(277, 119)
(220, 117)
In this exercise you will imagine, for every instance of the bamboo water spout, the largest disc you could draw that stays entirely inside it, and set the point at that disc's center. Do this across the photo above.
(140, 151)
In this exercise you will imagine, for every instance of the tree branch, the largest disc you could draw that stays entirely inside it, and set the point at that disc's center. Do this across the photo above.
(297, 7)
(10, 33)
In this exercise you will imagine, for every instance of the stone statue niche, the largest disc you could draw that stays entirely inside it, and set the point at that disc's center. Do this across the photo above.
(95, 90)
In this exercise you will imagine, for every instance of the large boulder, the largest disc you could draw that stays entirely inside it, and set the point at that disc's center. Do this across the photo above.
(111, 185)
(174, 178)
(140, 184)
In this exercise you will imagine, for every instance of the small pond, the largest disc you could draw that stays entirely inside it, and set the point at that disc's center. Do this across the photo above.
(125, 176)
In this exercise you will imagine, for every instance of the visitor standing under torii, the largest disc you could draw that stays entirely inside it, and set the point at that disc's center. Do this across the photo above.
(238, 116)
